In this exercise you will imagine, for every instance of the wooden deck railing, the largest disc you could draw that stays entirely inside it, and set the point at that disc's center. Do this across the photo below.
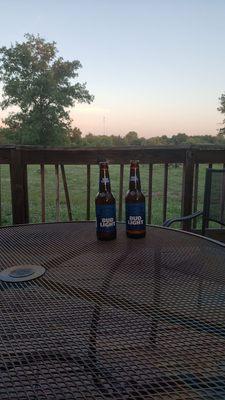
(19, 157)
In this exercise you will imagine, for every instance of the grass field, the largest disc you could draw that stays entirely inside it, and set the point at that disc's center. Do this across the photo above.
(76, 179)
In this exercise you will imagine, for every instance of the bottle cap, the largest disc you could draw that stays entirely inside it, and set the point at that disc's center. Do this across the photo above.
(103, 164)
(134, 161)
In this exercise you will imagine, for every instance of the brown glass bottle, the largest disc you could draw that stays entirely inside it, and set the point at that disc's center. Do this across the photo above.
(105, 206)
(135, 204)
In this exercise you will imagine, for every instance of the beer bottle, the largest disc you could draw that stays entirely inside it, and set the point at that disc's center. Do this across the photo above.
(105, 206)
(135, 204)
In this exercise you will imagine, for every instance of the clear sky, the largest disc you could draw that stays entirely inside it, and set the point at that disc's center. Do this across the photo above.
(154, 66)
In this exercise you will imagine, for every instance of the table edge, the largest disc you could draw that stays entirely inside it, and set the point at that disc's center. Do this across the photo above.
(120, 223)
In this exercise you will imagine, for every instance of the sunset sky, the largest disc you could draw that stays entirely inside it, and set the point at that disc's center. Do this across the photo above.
(156, 67)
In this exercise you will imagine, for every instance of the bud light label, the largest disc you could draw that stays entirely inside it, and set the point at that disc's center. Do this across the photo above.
(106, 218)
(135, 216)
(104, 180)
(134, 178)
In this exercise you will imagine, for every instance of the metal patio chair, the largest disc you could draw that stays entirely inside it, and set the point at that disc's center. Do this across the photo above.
(214, 201)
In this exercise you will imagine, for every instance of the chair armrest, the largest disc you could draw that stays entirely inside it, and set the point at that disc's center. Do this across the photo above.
(168, 222)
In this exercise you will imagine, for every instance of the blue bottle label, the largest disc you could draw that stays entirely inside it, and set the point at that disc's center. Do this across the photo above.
(104, 180)
(135, 216)
(106, 218)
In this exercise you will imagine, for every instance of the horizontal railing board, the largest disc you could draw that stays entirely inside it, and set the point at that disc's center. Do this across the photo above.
(207, 156)
(5, 155)
(112, 155)
(115, 155)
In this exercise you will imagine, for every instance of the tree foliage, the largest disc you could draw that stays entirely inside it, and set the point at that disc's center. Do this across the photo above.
(131, 138)
(75, 137)
(222, 110)
(41, 85)
(91, 140)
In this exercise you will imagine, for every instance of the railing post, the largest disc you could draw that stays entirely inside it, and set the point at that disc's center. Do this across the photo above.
(18, 174)
(187, 190)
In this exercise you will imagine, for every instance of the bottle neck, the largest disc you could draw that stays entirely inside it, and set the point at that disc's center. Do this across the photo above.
(104, 181)
(135, 183)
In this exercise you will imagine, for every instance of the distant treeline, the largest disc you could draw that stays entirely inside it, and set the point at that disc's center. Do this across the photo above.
(75, 138)
(132, 139)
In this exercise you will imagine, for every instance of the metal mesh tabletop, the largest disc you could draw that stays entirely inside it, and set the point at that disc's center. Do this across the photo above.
(126, 319)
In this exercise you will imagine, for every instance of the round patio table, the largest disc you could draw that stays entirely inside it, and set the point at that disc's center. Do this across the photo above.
(126, 319)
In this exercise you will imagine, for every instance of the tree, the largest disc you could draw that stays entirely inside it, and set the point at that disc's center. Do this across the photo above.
(222, 110)
(2, 135)
(117, 140)
(131, 138)
(42, 85)
(91, 140)
(75, 137)
(179, 138)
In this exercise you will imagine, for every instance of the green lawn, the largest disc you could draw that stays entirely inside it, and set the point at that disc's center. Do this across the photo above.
(76, 179)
